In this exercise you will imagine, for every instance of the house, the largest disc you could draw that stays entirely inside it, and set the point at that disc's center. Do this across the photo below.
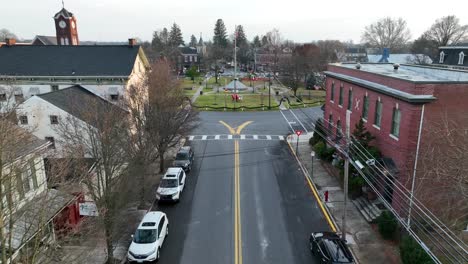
(44, 40)
(402, 105)
(400, 58)
(103, 69)
(186, 57)
(353, 54)
(28, 205)
(45, 115)
(454, 56)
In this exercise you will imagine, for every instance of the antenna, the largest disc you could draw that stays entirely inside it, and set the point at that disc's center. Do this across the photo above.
(63, 4)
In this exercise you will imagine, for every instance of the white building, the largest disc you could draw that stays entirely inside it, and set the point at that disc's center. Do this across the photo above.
(44, 115)
(106, 70)
(28, 204)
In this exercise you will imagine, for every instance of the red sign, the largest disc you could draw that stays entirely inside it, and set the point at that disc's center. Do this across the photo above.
(298, 132)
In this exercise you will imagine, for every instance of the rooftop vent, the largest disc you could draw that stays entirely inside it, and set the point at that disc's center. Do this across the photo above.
(396, 66)
(358, 66)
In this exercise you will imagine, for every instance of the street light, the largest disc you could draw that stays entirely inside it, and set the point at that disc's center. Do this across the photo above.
(312, 155)
(269, 91)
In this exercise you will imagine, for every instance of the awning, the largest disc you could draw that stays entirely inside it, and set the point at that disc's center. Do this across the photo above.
(36, 214)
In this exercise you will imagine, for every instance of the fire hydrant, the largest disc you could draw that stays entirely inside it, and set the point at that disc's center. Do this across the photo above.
(326, 196)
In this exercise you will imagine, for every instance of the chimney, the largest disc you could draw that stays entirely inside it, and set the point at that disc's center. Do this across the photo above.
(132, 42)
(10, 41)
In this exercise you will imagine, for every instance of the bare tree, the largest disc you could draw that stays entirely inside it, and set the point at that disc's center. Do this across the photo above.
(104, 138)
(5, 33)
(168, 113)
(274, 42)
(447, 30)
(387, 33)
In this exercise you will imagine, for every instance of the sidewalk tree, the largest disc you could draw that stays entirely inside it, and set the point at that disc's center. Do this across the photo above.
(171, 115)
(104, 138)
(193, 73)
(387, 33)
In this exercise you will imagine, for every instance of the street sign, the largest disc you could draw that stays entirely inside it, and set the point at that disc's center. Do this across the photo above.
(298, 132)
(88, 209)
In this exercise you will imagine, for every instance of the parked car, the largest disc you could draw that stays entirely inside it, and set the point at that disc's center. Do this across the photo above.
(149, 238)
(171, 185)
(330, 248)
(184, 158)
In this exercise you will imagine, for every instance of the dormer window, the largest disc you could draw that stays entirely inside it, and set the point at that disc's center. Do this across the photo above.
(461, 58)
(442, 56)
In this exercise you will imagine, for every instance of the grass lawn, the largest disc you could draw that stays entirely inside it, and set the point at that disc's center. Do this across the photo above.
(189, 93)
(217, 100)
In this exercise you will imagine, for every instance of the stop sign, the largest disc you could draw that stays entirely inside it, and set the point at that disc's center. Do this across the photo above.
(298, 132)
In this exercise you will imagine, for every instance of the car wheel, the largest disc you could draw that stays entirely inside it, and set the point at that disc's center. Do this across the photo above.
(157, 255)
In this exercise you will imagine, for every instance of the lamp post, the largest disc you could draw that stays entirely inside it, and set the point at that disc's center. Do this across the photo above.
(269, 91)
(312, 155)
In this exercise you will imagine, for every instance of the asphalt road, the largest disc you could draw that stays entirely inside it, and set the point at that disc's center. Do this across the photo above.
(248, 203)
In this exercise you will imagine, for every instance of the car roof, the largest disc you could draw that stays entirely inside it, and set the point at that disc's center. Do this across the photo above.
(151, 217)
(185, 149)
(338, 250)
(172, 171)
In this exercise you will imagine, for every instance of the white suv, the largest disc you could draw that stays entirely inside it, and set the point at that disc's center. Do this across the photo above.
(171, 185)
(149, 238)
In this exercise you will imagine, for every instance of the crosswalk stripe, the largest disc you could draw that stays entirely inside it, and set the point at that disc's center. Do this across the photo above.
(242, 137)
(281, 137)
(217, 137)
(255, 137)
(191, 137)
(204, 137)
(232, 137)
(229, 136)
(268, 137)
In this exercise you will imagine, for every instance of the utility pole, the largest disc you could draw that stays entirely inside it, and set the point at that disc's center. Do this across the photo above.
(269, 91)
(346, 175)
(235, 60)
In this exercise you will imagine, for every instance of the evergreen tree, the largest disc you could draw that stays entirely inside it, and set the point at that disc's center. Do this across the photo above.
(220, 35)
(193, 41)
(240, 36)
(362, 135)
(264, 41)
(256, 42)
(156, 42)
(175, 36)
(164, 36)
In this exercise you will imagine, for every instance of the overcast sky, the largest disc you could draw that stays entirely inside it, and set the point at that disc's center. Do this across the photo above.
(298, 20)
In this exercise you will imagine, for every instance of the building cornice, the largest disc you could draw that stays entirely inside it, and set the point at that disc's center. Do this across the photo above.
(383, 89)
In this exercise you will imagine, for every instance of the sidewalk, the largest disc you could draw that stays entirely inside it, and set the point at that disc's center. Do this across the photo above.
(362, 237)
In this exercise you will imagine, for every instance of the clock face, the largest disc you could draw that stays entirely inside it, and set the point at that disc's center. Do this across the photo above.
(73, 24)
(62, 24)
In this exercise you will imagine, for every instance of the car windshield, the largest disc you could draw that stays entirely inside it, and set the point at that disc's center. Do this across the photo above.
(168, 183)
(182, 156)
(145, 236)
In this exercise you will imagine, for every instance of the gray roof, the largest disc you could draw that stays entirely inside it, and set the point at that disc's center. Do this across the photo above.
(76, 100)
(188, 50)
(411, 98)
(45, 40)
(239, 85)
(412, 73)
(23, 143)
(64, 13)
(452, 55)
(52, 60)
(401, 58)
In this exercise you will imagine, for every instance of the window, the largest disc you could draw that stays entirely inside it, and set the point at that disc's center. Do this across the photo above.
(19, 184)
(114, 97)
(54, 119)
(186, 58)
(23, 120)
(396, 122)
(461, 57)
(332, 92)
(330, 122)
(54, 88)
(32, 168)
(340, 102)
(195, 58)
(442, 56)
(19, 98)
(339, 134)
(365, 107)
(51, 140)
(378, 113)
(26, 185)
(350, 100)
(160, 226)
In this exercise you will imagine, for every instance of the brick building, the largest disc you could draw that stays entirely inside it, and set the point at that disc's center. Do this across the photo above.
(391, 100)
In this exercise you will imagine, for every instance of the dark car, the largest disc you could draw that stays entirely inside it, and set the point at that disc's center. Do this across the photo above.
(184, 158)
(330, 248)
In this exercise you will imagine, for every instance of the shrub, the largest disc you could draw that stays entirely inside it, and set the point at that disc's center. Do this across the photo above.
(328, 154)
(320, 149)
(387, 225)
(317, 133)
(355, 185)
(412, 253)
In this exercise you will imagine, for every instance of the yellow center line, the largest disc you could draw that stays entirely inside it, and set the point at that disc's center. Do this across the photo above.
(237, 203)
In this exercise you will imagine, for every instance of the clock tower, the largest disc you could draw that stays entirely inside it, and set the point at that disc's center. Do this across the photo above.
(66, 28)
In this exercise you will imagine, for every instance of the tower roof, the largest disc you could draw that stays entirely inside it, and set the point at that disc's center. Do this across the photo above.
(65, 13)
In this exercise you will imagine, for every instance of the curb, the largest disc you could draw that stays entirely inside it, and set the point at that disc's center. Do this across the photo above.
(326, 212)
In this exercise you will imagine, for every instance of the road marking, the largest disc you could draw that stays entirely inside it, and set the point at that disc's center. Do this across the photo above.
(281, 137)
(237, 208)
(242, 137)
(268, 137)
(229, 136)
(305, 129)
(231, 130)
(217, 137)
(204, 137)
(235, 137)
(239, 128)
(191, 137)
(287, 121)
(255, 137)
